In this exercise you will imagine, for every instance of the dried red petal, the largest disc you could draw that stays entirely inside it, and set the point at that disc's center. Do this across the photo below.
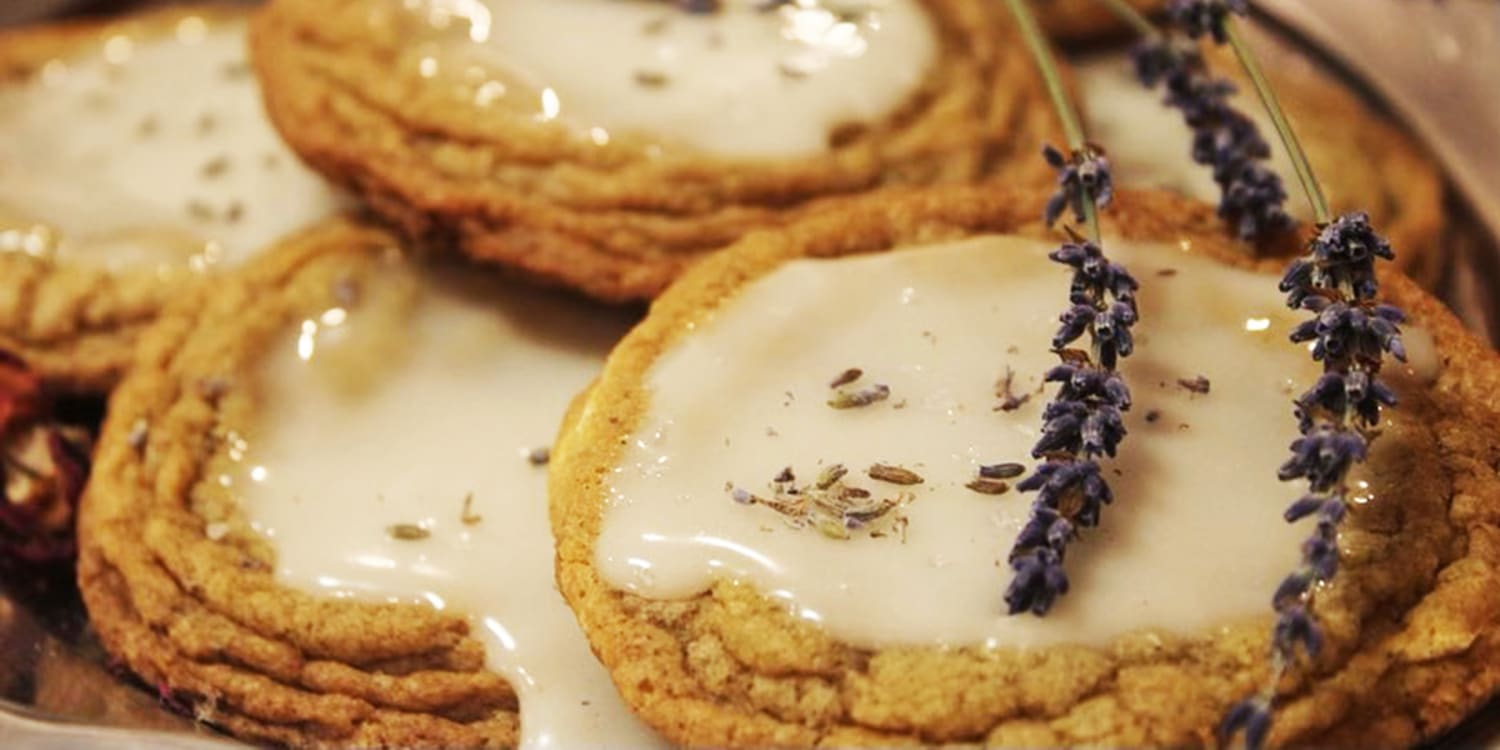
(20, 392)
(44, 462)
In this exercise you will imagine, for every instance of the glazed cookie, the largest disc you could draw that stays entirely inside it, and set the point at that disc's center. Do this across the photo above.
(770, 526)
(134, 158)
(1361, 156)
(681, 129)
(318, 515)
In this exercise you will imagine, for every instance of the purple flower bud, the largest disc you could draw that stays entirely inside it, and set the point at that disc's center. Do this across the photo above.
(1321, 553)
(1199, 17)
(1253, 717)
(1291, 588)
(1294, 626)
(1323, 456)
(1039, 580)
(1304, 507)
(1083, 175)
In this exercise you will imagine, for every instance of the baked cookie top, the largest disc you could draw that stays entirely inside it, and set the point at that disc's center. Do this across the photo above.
(319, 517)
(744, 591)
(1364, 159)
(682, 129)
(134, 158)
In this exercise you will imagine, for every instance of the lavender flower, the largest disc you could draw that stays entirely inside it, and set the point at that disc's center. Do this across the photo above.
(1351, 332)
(1252, 716)
(1082, 175)
(1224, 139)
(1084, 421)
(1199, 17)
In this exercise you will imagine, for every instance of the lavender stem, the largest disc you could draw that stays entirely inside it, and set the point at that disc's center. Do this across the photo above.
(1310, 185)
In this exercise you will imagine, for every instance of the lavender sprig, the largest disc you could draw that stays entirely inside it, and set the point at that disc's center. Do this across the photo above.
(1084, 421)
(1351, 332)
(1224, 139)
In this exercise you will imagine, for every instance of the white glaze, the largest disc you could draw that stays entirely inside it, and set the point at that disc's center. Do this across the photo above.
(374, 418)
(150, 150)
(1194, 539)
(1148, 143)
(742, 82)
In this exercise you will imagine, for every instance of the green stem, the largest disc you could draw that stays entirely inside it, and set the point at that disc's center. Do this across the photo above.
(1036, 42)
(1136, 19)
(1242, 50)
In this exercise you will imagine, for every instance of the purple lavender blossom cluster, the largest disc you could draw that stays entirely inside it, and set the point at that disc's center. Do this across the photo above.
(1226, 140)
(1080, 177)
(1350, 334)
(1084, 421)
(1199, 17)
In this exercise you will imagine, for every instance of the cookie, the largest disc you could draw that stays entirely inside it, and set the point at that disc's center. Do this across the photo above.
(1083, 20)
(680, 131)
(770, 527)
(135, 159)
(1361, 156)
(318, 514)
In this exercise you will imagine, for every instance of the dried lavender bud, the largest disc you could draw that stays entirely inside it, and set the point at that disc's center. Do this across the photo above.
(1103, 303)
(1005, 391)
(1008, 470)
(893, 474)
(468, 517)
(828, 505)
(1081, 175)
(1252, 716)
(986, 486)
(653, 79)
(1198, 384)
(1199, 17)
(861, 397)
(846, 377)
(539, 456)
(407, 532)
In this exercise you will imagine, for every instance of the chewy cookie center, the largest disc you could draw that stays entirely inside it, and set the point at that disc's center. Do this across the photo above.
(392, 460)
(744, 78)
(915, 369)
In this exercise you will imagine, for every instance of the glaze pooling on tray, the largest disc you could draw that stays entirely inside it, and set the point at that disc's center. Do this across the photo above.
(391, 462)
(149, 150)
(753, 79)
(745, 395)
